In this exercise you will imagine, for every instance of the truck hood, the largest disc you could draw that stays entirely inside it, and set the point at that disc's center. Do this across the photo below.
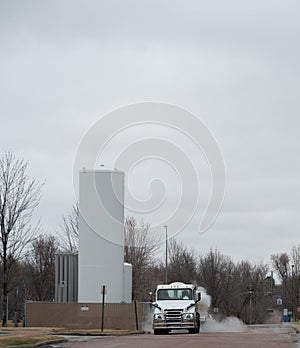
(179, 304)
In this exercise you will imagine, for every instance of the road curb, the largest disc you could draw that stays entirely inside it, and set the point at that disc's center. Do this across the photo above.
(95, 334)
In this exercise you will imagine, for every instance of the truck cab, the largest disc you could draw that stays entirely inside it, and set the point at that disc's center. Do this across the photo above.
(176, 307)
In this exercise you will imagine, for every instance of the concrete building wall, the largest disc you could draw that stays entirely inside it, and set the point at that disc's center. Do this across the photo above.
(101, 235)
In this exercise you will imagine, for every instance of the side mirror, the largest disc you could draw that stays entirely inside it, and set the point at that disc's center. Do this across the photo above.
(150, 296)
(199, 296)
(154, 304)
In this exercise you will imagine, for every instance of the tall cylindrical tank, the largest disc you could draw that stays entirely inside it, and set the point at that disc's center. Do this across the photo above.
(101, 235)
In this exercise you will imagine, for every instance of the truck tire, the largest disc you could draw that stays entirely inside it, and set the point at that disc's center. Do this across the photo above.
(193, 331)
(198, 323)
(161, 331)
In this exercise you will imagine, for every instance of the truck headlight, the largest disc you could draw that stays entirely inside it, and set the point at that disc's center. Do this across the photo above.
(159, 316)
(188, 316)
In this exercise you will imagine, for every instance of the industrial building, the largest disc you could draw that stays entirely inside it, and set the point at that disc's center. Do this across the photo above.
(101, 243)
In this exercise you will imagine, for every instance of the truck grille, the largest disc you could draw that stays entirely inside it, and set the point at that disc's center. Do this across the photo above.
(173, 315)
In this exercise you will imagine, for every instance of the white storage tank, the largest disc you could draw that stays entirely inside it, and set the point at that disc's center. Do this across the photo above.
(101, 235)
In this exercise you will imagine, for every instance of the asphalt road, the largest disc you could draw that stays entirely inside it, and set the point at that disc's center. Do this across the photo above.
(254, 336)
(257, 336)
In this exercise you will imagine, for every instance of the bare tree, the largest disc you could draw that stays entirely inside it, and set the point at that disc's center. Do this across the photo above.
(213, 274)
(248, 292)
(287, 268)
(239, 290)
(40, 268)
(140, 248)
(70, 230)
(19, 196)
(281, 264)
(16, 294)
(295, 259)
(182, 264)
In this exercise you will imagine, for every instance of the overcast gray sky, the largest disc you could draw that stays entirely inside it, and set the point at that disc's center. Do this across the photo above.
(234, 64)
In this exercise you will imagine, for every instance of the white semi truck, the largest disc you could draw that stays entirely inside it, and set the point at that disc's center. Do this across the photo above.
(177, 306)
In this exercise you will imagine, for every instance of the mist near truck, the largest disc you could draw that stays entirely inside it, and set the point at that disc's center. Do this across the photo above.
(230, 324)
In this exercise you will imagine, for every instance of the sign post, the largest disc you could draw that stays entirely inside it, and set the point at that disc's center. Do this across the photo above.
(136, 316)
(103, 292)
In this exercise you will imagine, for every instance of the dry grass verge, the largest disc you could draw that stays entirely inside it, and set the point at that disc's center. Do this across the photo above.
(21, 340)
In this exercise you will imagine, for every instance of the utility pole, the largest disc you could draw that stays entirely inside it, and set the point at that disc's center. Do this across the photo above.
(250, 321)
(293, 294)
(103, 293)
(166, 270)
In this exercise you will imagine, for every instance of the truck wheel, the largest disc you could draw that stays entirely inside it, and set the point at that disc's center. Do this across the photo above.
(192, 331)
(161, 331)
(197, 329)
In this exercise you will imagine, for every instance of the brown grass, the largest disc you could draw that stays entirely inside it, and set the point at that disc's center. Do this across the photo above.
(17, 340)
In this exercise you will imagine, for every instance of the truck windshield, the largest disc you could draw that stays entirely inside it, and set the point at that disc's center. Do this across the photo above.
(174, 294)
